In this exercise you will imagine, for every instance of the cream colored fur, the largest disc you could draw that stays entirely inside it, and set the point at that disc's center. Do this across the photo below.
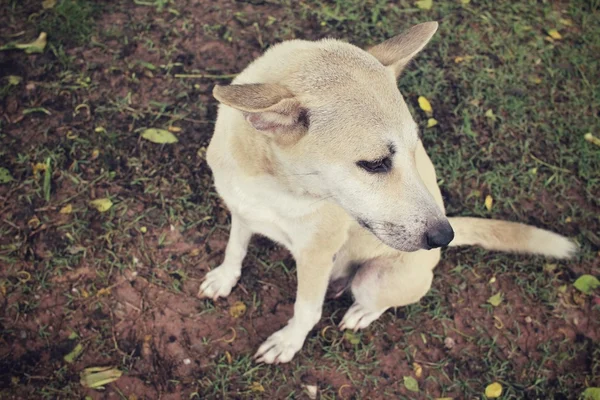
(292, 135)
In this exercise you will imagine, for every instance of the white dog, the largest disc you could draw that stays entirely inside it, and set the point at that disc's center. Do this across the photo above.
(314, 147)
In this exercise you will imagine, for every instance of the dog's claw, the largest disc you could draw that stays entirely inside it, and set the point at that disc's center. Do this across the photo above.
(218, 283)
(357, 317)
(281, 346)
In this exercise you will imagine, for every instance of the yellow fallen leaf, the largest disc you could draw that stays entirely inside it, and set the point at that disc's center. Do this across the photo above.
(14, 80)
(46, 4)
(496, 299)
(431, 122)
(228, 357)
(174, 129)
(465, 1)
(490, 114)
(568, 220)
(160, 136)
(102, 205)
(71, 135)
(425, 105)
(591, 138)
(418, 370)
(566, 22)
(103, 291)
(143, 229)
(68, 209)
(96, 377)
(553, 33)
(424, 4)
(76, 352)
(256, 387)
(39, 167)
(493, 390)
(459, 59)
(95, 154)
(34, 222)
(489, 200)
(37, 46)
(237, 309)
(493, 279)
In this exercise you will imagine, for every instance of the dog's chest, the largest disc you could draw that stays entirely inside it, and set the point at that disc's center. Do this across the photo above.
(264, 207)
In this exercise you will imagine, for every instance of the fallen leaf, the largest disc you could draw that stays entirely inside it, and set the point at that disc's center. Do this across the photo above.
(496, 299)
(5, 176)
(586, 283)
(37, 46)
(96, 377)
(449, 343)
(424, 4)
(418, 370)
(37, 168)
(34, 222)
(425, 105)
(493, 390)
(489, 200)
(68, 209)
(351, 337)
(174, 129)
(431, 122)
(103, 291)
(550, 267)
(591, 138)
(143, 229)
(490, 114)
(311, 391)
(76, 352)
(36, 110)
(256, 387)
(46, 4)
(553, 33)
(566, 22)
(14, 80)
(465, 1)
(411, 384)
(492, 279)
(159, 136)
(102, 205)
(591, 393)
(237, 309)
(459, 59)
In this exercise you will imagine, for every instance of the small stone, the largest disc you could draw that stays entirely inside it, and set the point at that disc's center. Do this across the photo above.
(449, 343)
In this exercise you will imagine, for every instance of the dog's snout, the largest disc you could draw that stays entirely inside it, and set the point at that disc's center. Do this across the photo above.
(439, 235)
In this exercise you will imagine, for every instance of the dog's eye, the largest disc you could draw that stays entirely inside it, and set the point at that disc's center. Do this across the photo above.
(376, 167)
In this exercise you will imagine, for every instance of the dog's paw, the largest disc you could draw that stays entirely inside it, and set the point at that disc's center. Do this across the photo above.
(281, 346)
(358, 317)
(219, 282)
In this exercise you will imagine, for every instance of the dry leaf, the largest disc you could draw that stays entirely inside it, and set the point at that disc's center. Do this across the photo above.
(68, 209)
(174, 129)
(411, 384)
(586, 284)
(418, 370)
(96, 377)
(591, 138)
(431, 122)
(237, 309)
(459, 59)
(425, 105)
(46, 4)
(160, 136)
(256, 387)
(489, 200)
(424, 4)
(102, 205)
(493, 390)
(496, 299)
(490, 114)
(76, 352)
(553, 33)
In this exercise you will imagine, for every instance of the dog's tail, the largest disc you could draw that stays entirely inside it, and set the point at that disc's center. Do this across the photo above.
(510, 236)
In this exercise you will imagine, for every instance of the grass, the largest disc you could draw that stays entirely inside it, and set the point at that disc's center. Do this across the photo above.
(512, 107)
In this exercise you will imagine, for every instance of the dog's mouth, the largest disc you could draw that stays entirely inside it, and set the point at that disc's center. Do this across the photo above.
(393, 235)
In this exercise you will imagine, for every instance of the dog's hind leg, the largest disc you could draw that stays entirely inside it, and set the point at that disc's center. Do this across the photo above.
(220, 281)
(385, 282)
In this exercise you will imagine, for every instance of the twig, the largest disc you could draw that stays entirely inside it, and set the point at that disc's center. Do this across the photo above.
(550, 165)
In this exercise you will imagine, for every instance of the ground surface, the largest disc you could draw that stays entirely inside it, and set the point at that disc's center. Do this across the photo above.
(122, 283)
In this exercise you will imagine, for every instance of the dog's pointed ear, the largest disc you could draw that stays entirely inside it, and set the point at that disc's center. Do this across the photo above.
(397, 52)
(267, 107)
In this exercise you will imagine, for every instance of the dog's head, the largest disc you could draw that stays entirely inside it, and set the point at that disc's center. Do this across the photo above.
(340, 130)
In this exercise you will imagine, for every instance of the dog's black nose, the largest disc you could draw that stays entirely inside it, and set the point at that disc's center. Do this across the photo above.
(440, 235)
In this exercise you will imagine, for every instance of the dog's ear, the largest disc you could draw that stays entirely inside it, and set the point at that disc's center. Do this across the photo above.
(267, 107)
(397, 52)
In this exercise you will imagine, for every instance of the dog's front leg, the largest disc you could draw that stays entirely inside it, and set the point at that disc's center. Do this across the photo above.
(220, 281)
(313, 278)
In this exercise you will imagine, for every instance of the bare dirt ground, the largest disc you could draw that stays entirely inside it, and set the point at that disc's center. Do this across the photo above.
(118, 288)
